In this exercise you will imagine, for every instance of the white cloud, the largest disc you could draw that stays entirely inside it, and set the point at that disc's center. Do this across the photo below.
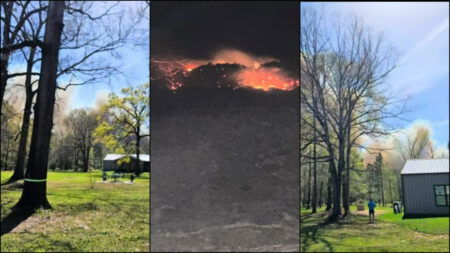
(419, 30)
(440, 30)
(440, 123)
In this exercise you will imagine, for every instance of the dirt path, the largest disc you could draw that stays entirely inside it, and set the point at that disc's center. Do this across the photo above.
(366, 212)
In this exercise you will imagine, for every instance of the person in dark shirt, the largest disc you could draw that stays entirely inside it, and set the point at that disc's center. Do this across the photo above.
(395, 207)
(371, 206)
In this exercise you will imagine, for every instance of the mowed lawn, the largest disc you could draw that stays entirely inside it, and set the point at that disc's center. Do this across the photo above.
(390, 233)
(86, 216)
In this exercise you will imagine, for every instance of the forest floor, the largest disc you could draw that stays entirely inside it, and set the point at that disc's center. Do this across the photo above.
(389, 233)
(86, 215)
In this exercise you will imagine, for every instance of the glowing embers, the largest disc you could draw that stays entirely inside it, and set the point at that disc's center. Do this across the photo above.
(265, 78)
(174, 71)
(227, 68)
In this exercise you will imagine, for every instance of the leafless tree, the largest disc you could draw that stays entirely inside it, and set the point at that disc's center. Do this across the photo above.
(31, 57)
(82, 123)
(343, 71)
(13, 24)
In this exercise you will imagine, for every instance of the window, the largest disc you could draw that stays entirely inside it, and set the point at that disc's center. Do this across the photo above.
(447, 191)
(442, 193)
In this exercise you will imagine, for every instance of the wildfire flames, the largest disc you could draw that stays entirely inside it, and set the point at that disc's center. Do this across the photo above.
(253, 73)
(265, 79)
(173, 71)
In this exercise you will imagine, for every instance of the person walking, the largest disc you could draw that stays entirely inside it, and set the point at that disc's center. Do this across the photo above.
(371, 206)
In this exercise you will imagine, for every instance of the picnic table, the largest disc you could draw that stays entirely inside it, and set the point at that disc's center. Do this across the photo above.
(116, 176)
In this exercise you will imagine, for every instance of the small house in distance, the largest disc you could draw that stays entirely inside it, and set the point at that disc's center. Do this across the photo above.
(425, 185)
(110, 163)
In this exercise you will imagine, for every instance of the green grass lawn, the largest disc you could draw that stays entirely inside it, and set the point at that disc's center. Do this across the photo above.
(425, 225)
(390, 233)
(85, 217)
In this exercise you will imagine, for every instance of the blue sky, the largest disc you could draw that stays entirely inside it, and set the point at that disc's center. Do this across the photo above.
(420, 32)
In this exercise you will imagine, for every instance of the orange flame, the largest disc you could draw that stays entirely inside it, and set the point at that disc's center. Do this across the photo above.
(254, 74)
(265, 78)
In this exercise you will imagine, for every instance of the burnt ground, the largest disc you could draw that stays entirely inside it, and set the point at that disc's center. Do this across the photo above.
(225, 170)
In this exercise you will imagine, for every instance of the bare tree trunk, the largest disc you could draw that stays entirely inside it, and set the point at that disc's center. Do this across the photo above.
(29, 94)
(7, 154)
(399, 183)
(370, 181)
(314, 197)
(341, 168)
(390, 190)
(381, 184)
(321, 194)
(308, 202)
(345, 193)
(34, 193)
(88, 153)
(138, 162)
(5, 56)
(346, 185)
(84, 154)
(329, 191)
(335, 211)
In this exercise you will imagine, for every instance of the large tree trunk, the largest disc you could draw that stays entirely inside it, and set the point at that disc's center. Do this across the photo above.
(348, 150)
(335, 211)
(34, 193)
(345, 193)
(5, 56)
(22, 151)
(346, 185)
(336, 176)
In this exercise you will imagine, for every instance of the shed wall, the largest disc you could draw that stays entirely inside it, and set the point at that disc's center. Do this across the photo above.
(419, 193)
(112, 165)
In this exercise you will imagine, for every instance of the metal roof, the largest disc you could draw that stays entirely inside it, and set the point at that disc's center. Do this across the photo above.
(113, 157)
(426, 166)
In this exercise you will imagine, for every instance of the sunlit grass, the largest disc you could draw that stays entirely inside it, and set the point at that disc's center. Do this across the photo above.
(390, 233)
(85, 216)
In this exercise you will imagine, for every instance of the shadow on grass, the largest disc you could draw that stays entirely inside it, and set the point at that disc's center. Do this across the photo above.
(313, 231)
(10, 186)
(117, 205)
(58, 245)
(313, 235)
(13, 219)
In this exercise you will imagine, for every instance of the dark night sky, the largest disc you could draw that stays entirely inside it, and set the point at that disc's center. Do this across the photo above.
(196, 30)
